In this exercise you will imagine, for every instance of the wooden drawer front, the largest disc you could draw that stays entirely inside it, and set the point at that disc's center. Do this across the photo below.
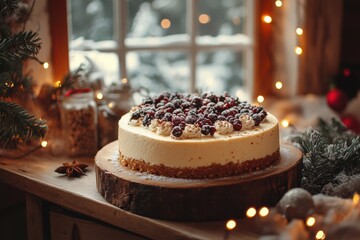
(63, 227)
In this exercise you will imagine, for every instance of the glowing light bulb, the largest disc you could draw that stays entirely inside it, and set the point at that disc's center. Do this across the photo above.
(267, 19)
(299, 31)
(231, 224)
(46, 65)
(111, 105)
(251, 212)
(260, 98)
(264, 211)
(99, 96)
(204, 18)
(298, 50)
(124, 81)
(278, 85)
(44, 143)
(320, 235)
(310, 221)
(165, 23)
(278, 3)
(356, 198)
(285, 123)
(57, 84)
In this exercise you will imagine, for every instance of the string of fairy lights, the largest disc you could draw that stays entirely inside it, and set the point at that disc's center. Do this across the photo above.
(298, 50)
(314, 223)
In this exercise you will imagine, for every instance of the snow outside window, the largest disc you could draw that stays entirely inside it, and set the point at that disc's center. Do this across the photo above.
(179, 45)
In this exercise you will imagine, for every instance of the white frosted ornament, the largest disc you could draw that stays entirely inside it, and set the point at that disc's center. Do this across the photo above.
(296, 203)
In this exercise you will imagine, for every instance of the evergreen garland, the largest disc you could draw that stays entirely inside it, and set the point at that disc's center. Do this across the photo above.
(16, 124)
(331, 159)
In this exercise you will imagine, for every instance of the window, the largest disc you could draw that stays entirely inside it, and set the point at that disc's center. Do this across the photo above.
(182, 45)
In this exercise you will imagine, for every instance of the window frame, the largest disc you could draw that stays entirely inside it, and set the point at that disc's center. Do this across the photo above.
(60, 29)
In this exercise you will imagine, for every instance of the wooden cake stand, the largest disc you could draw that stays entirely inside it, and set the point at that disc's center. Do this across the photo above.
(196, 199)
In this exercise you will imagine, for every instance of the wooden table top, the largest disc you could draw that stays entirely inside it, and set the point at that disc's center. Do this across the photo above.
(35, 174)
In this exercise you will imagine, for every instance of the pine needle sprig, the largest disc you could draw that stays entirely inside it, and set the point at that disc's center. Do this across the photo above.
(24, 126)
(19, 46)
(8, 7)
(14, 84)
(330, 152)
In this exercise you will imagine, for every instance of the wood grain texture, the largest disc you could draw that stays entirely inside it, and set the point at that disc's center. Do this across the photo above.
(34, 218)
(321, 43)
(62, 227)
(35, 174)
(195, 199)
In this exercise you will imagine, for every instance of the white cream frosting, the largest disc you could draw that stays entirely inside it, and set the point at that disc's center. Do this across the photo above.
(164, 128)
(191, 131)
(154, 124)
(246, 121)
(239, 146)
(136, 122)
(223, 127)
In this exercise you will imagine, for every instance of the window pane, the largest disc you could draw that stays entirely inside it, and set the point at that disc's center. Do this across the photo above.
(220, 71)
(226, 17)
(158, 71)
(91, 19)
(148, 18)
(98, 64)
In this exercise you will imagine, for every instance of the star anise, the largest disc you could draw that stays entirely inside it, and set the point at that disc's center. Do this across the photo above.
(72, 169)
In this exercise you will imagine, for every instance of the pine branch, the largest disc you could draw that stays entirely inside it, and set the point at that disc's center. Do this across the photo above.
(14, 84)
(17, 125)
(19, 46)
(329, 150)
(8, 7)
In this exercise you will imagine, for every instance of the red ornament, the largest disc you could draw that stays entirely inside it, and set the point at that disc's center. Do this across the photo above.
(351, 123)
(76, 91)
(337, 100)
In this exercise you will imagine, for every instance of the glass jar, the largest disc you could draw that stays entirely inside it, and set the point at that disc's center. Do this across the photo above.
(79, 123)
(115, 105)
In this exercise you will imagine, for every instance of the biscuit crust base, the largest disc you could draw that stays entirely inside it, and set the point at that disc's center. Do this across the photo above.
(212, 171)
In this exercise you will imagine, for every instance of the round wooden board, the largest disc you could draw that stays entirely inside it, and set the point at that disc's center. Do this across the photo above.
(194, 199)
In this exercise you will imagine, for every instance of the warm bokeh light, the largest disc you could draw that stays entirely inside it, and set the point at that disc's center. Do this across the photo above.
(278, 3)
(356, 198)
(46, 65)
(236, 20)
(260, 99)
(99, 96)
(299, 31)
(204, 18)
(298, 50)
(251, 212)
(278, 85)
(310, 221)
(57, 84)
(285, 123)
(320, 235)
(44, 143)
(230, 225)
(264, 211)
(124, 81)
(111, 105)
(165, 23)
(267, 19)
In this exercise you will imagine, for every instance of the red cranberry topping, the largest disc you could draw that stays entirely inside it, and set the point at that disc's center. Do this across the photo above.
(176, 131)
(190, 119)
(135, 115)
(196, 102)
(237, 124)
(203, 111)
